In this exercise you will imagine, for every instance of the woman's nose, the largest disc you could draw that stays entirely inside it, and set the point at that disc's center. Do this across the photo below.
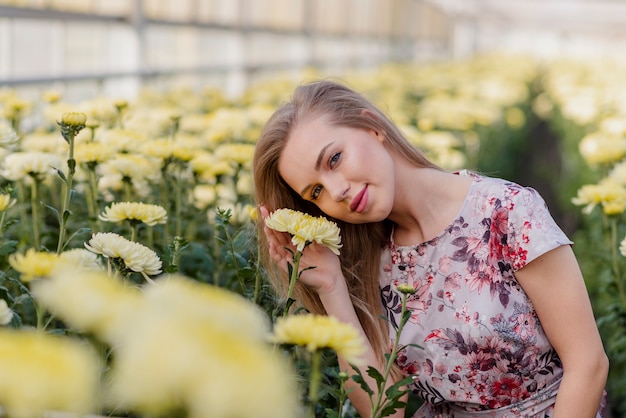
(338, 190)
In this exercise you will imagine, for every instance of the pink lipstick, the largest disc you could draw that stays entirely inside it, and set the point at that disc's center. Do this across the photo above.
(360, 201)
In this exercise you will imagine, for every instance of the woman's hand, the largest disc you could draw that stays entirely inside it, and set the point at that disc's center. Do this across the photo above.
(327, 269)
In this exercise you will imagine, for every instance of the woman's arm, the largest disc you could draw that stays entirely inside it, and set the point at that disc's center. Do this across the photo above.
(327, 280)
(557, 290)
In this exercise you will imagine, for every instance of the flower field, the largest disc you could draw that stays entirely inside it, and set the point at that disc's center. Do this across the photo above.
(129, 281)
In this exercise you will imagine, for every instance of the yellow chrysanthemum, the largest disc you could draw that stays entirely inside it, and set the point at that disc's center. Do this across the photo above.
(305, 229)
(237, 153)
(40, 372)
(134, 211)
(6, 202)
(608, 193)
(319, 331)
(34, 264)
(136, 257)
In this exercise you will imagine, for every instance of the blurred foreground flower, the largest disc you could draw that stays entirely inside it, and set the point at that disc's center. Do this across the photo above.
(125, 255)
(320, 331)
(89, 301)
(178, 345)
(40, 372)
(305, 229)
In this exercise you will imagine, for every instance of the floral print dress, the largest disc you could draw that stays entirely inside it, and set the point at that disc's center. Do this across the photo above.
(482, 351)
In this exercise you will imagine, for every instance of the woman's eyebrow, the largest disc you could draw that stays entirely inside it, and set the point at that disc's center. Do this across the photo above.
(318, 164)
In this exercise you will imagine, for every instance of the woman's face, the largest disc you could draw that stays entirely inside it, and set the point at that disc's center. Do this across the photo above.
(348, 173)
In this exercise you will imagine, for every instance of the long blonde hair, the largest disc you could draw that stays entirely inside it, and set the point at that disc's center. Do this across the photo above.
(362, 243)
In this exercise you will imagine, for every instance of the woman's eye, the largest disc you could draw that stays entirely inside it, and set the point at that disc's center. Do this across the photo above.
(334, 159)
(316, 192)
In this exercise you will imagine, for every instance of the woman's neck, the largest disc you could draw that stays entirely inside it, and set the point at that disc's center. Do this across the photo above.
(426, 202)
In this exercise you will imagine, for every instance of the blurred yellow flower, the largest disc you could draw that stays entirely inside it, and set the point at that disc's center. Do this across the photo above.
(602, 148)
(89, 301)
(305, 229)
(34, 264)
(608, 193)
(6, 314)
(136, 257)
(40, 372)
(200, 348)
(134, 211)
(91, 152)
(236, 153)
(320, 331)
(6, 202)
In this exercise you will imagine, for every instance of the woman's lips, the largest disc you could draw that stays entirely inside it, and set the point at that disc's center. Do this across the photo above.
(360, 201)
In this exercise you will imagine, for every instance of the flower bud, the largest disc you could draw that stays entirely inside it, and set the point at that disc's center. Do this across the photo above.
(75, 119)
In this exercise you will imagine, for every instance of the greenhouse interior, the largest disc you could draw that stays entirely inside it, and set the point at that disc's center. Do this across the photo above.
(156, 263)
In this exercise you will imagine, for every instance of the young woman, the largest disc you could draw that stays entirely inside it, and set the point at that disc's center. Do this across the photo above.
(501, 311)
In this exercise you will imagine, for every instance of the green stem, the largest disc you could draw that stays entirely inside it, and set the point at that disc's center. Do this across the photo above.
(257, 276)
(2, 223)
(379, 404)
(315, 378)
(71, 165)
(34, 202)
(178, 203)
(292, 280)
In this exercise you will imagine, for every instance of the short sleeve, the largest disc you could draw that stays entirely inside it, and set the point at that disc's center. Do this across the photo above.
(531, 230)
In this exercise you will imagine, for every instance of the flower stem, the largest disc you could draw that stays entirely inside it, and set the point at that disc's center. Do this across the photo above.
(292, 280)
(34, 201)
(316, 376)
(379, 404)
(71, 165)
(614, 255)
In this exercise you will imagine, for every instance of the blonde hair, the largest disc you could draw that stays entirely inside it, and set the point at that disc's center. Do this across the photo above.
(362, 243)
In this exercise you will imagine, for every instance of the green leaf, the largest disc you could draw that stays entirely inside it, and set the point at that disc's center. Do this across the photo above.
(54, 210)
(375, 374)
(61, 174)
(358, 378)
(8, 247)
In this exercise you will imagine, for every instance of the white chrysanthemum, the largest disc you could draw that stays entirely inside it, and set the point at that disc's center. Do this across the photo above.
(135, 256)
(81, 258)
(134, 211)
(6, 314)
(8, 136)
(305, 228)
(46, 142)
(20, 165)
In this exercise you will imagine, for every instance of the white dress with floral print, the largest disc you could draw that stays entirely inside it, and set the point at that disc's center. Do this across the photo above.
(483, 352)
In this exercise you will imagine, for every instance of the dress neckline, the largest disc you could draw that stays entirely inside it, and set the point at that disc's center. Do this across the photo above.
(465, 173)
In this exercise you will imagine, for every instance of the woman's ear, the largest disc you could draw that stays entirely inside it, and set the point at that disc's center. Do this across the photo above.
(378, 133)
